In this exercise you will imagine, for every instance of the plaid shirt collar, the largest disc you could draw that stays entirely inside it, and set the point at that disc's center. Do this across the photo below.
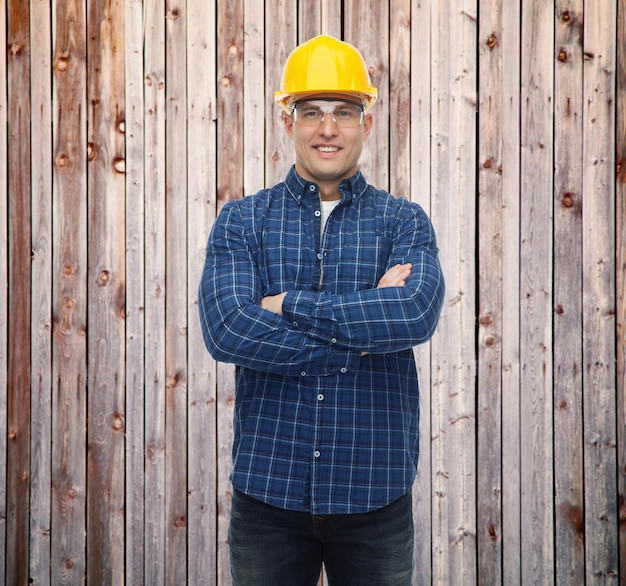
(351, 188)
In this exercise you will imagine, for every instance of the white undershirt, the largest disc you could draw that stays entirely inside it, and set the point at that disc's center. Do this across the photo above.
(327, 208)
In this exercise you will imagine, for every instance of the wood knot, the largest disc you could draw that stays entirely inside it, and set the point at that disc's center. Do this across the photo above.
(492, 41)
(567, 201)
(119, 165)
(91, 151)
(16, 48)
(69, 270)
(559, 309)
(180, 522)
(486, 320)
(104, 278)
(62, 161)
(487, 164)
(562, 56)
(225, 81)
(117, 423)
(62, 63)
(566, 17)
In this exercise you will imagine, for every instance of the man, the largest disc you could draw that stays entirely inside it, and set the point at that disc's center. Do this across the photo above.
(318, 289)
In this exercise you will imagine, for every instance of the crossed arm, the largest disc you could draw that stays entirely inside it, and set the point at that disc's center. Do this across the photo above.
(395, 277)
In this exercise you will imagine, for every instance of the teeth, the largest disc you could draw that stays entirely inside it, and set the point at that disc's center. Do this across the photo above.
(327, 149)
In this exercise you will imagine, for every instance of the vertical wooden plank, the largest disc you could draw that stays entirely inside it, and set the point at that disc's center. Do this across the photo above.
(599, 401)
(511, 461)
(490, 274)
(280, 39)
(420, 193)
(176, 278)
(453, 185)
(41, 327)
(154, 344)
(331, 18)
(309, 20)
(4, 280)
(135, 292)
(230, 161)
(107, 292)
(19, 284)
(366, 26)
(254, 91)
(201, 170)
(400, 98)
(536, 294)
(620, 263)
(69, 215)
(568, 332)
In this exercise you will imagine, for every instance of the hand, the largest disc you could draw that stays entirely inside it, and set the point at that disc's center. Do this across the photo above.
(395, 276)
(274, 303)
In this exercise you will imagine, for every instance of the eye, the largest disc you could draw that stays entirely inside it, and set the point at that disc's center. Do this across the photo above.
(346, 113)
(310, 113)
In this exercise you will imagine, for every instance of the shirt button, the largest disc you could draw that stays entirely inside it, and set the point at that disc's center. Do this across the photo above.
(333, 340)
(318, 213)
(316, 454)
(319, 256)
(344, 370)
(303, 373)
(294, 324)
(311, 187)
(320, 397)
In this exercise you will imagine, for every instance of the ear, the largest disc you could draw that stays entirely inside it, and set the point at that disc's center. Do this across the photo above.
(368, 122)
(288, 122)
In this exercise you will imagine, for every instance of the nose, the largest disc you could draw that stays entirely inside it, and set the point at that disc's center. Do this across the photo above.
(328, 125)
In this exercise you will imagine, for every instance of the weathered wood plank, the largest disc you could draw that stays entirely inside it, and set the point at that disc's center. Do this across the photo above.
(366, 26)
(399, 98)
(107, 292)
(620, 264)
(602, 564)
(41, 327)
(201, 169)
(536, 294)
(331, 18)
(69, 214)
(229, 50)
(280, 40)
(176, 294)
(4, 279)
(230, 161)
(490, 275)
(453, 188)
(253, 97)
(19, 286)
(420, 193)
(511, 368)
(155, 279)
(309, 20)
(135, 292)
(568, 334)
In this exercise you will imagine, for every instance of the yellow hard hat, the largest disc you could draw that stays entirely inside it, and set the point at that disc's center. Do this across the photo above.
(325, 65)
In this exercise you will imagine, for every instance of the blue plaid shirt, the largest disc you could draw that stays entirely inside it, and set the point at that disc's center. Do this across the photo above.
(320, 426)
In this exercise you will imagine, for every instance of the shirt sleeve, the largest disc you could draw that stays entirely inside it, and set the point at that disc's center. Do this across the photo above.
(235, 327)
(389, 319)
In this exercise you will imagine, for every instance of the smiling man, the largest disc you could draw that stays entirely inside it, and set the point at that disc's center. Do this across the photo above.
(317, 289)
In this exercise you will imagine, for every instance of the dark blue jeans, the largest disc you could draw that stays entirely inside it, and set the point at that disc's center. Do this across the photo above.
(274, 547)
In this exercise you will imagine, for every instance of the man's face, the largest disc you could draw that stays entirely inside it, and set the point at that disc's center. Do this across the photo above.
(327, 151)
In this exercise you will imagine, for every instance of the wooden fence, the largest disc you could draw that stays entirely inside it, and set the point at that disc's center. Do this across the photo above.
(126, 124)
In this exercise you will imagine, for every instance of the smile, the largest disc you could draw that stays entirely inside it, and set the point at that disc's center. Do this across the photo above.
(328, 149)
